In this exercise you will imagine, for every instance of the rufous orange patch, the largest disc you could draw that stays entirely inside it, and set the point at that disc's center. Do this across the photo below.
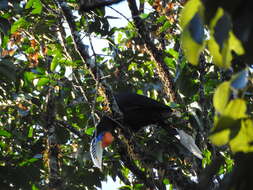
(107, 139)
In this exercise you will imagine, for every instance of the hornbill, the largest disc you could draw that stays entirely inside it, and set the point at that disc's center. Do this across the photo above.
(88, 5)
(138, 111)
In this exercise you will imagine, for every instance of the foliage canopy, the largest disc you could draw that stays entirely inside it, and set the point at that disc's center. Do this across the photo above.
(194, 56)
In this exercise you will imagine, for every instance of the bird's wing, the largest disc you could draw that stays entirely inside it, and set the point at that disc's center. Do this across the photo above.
(130, 101)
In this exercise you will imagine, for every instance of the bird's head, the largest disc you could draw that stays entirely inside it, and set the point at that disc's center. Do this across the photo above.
(106, 138)
(102, 138)
(98, 143)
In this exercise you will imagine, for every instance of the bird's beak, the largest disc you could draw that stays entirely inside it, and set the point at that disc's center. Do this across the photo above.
(96, 151)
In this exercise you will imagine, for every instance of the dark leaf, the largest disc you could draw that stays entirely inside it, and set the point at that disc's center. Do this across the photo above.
(240, 80)
(62, 135)
(196, 28)
(3, 5)
(5, 133)
(221, 30)
(4, 25)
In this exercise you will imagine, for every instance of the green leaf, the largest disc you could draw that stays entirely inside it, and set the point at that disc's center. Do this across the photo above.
(144, 15)
(18, 24)
(229, 163)
(3, 145)
(138, 186)
(170, 62)
(139, 91)
(221, 97)
(243, 142)
(34, 187)
(55, 61)
(29, 77)
(27, 162)
(166, 181)
(36, 5)
(5, 133)
(42, 82)
(100, 99)
(165, 26)
(126, 187)
(4, 42)
(132, 66)
(161, 19)
(29, 4)
(30, 132)
(206, 158)
(90, 131)
(172, 52)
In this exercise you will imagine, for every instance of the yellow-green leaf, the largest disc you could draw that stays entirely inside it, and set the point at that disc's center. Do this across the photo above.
(221, 97)
(20, 23)
(226, 55)
(244, 139)
(193, 30)
(218, 44)
(213, 22)
(214, 50)
(224, 129)
(235, 44)
(190, 9)
(221, 138)
(42, 81)
(36, 5)
(55, 61)
(191, 48)
(236, 109)
(222, 40)
(5, 133)
(223, 57)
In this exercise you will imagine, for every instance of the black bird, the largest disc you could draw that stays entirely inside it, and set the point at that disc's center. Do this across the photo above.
(88, 5)
(138, 111)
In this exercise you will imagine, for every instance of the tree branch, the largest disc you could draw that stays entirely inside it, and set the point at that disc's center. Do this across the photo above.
(104, 89)
(70, 128)
(52, 144)
(155, 53)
